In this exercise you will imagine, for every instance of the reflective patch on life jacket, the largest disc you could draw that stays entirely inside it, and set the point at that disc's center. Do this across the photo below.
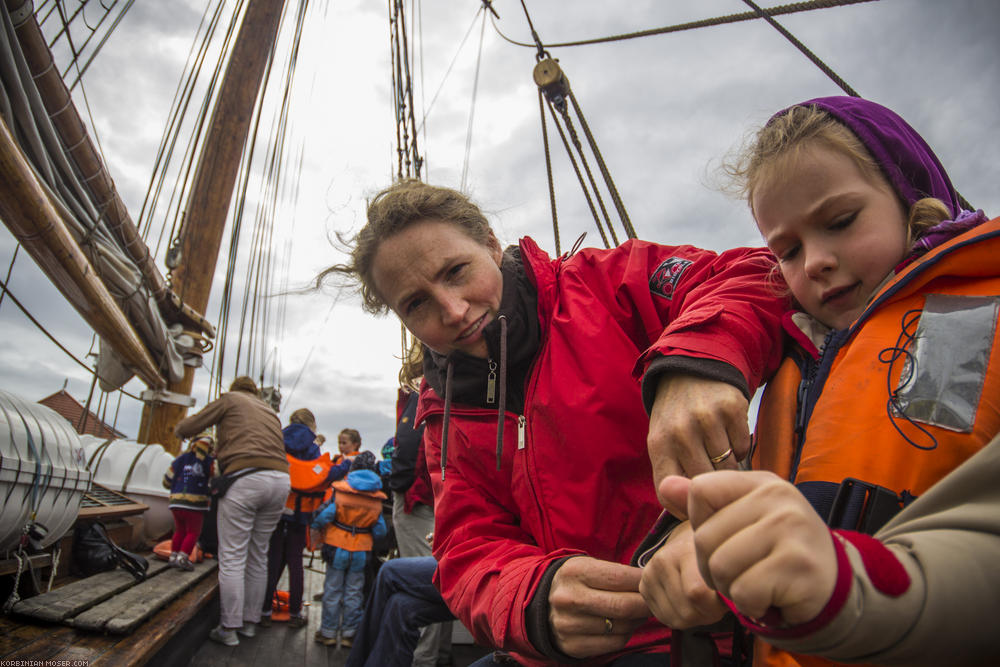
(945, 367)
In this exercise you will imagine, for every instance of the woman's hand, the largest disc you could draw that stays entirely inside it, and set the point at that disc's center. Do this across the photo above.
(673, 587)
(759, 542)
(594, 606)
(693, 420)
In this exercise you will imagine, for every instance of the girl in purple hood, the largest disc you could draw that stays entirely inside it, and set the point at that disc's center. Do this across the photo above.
(890, 383)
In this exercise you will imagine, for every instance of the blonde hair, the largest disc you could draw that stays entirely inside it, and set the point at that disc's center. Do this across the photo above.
(767, 156)
(303, 416)
(389, 212)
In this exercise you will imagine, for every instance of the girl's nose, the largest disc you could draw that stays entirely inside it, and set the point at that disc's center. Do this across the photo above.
(819, 260)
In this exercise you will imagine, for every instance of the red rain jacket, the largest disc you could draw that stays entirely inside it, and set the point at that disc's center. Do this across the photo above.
(575, 475)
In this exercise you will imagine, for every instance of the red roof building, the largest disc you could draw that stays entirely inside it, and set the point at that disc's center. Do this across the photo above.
(68, 407)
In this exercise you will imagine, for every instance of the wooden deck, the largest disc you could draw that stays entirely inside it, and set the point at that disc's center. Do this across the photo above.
(24, 638)
(282, 645)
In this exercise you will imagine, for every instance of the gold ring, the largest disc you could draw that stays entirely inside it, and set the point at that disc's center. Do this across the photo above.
(721, 457)
(609, 626)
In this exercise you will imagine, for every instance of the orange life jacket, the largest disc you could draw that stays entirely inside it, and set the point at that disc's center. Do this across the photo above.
(845, 421)
(357, 512)
(309, 482)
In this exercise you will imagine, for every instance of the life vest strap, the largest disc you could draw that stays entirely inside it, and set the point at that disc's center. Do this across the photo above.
(854, 504)
(353, 530)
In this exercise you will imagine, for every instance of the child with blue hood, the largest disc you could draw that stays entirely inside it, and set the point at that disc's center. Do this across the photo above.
(350, 522)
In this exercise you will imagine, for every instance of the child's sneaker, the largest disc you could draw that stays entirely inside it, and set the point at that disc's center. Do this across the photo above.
(183, 563)
(173, 558)
(324, 640)
(297, 621)
(347, 641)
(224, 636)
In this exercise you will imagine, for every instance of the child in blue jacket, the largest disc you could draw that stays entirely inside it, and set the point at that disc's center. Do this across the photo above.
(350, 521)
(187, 479)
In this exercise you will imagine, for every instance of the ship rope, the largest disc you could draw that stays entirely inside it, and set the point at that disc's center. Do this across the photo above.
(554, 86)
(691, 25)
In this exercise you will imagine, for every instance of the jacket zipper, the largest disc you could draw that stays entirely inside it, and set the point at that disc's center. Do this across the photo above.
(521, 423)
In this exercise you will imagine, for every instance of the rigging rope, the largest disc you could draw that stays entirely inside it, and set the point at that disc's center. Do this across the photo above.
(472, 107)
(721, 20)
(16, 302)
(802, 47)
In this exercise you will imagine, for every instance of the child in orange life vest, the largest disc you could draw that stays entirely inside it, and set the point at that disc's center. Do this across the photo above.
(311, 474)
(891, 383)
(351, 520)
(187, 479)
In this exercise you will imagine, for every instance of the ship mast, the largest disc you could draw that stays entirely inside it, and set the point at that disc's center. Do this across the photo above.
(211, 193)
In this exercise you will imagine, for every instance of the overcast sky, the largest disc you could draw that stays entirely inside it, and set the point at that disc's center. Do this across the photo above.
(663, 109)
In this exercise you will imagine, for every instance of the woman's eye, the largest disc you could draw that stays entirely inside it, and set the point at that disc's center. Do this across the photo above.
(456, 270)
(413, 305)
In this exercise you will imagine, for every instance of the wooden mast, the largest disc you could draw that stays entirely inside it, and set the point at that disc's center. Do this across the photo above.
(212, 189)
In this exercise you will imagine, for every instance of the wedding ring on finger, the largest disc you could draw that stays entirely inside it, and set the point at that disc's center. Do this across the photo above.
(716, 460)
(609, 626)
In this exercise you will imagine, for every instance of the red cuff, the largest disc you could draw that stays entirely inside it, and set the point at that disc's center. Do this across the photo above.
(886, 573)
(773, 625)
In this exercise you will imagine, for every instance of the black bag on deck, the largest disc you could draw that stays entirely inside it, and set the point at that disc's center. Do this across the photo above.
(94, 551)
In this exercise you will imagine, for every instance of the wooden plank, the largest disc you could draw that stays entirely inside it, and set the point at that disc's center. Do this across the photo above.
(37, 560)
(137, 649)
(124, 612)
(74, 598)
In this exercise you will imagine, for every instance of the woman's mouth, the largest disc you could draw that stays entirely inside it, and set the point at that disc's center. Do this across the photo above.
(471, 330)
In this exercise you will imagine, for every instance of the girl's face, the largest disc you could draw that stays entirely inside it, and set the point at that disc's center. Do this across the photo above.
(444, 285)
(345, 444)
(837, 232)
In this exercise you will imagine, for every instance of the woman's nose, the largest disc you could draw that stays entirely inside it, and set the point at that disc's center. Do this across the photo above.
(453, 309)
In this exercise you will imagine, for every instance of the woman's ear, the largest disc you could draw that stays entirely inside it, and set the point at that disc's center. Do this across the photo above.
(496, 250)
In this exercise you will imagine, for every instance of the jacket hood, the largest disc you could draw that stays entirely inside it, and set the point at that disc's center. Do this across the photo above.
(912, 168)
(364, 480)
(299, 442)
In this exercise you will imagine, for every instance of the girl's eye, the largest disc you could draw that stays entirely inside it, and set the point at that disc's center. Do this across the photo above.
(844, 222)
(788, 254)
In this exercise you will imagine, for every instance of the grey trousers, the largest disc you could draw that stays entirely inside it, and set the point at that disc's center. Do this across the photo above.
(248, 514)
(411, 537)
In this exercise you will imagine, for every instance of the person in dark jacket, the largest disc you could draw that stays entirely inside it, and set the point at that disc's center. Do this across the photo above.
(289, 538)
(187, 478)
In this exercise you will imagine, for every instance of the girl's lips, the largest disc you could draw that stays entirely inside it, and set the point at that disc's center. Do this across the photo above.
(837, 293)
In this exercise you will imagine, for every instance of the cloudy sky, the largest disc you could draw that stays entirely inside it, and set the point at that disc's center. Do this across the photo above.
(663, 109)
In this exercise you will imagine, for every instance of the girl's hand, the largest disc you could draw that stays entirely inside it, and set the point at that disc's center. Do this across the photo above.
(673, 586)
(594, 606)
(759, 542)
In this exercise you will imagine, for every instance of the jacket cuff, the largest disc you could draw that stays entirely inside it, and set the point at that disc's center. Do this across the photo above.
(710, 369)
(536, 616)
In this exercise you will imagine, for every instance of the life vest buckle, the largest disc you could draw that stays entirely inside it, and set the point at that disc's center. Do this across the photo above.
(863, 507)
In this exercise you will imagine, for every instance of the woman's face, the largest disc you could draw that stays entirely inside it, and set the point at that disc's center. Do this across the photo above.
(444, 286)
(836, 231)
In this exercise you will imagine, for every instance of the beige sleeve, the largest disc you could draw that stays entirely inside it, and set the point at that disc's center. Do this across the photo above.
(949, 542)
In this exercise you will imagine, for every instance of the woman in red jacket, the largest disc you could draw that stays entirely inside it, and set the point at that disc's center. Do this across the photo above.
(536, 430)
